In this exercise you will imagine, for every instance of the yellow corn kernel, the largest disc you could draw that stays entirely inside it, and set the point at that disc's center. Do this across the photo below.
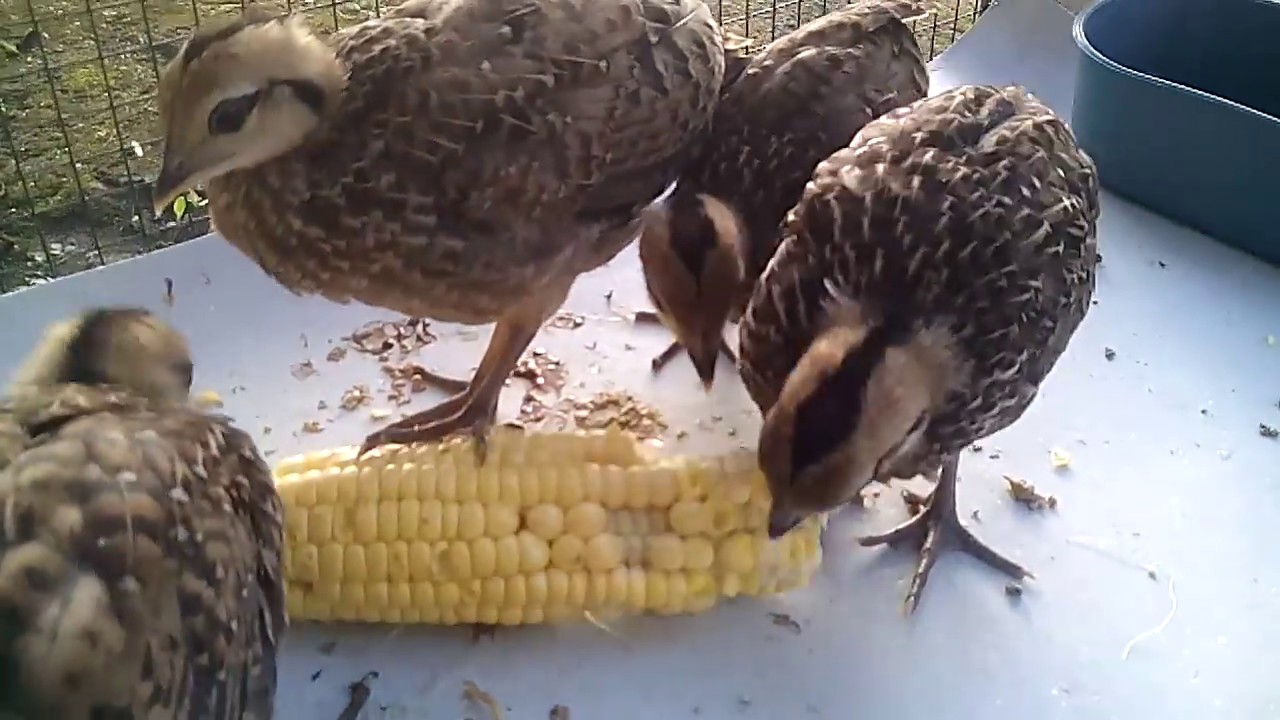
(388, 520)
(470, 520)
(431, 525)
(566, 552)
(506, 556)
(319, 524)
(295, 528)
(449, 520)
(488, 492)
(353, 565)
(484, 557)
(375, 559)
(586, 519)
(366, 525)
(501, 520)
(398, 561)
(459, 560)
(553, 527)
(690, 518)
(546, 521)
(447, 481)
(665, 552)
(603, 552)
(535, 553)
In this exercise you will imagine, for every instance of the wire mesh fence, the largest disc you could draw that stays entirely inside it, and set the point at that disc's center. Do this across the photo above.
(79, 121)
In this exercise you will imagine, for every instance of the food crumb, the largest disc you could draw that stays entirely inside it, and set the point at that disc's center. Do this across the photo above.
(620, 409)
(473, 693)
(322, 405)
(1059, 459)
(209, 399)
(564, 320)
(168, 292)
(336, 354)
(914, 501)
(1013, 589)
(559, 712)
(355, 396)
(1268, 431)
(784, 620)
(312, 426)
(380, 337)
(1109, 354)
(303, 370)
(542, 370)
(1024, 492)
(379, 414)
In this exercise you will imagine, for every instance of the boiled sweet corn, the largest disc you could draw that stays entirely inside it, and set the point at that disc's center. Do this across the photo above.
(553, 527)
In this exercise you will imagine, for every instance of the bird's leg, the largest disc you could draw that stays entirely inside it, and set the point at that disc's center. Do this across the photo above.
(474, 410)
(937, 527)
(649, 317)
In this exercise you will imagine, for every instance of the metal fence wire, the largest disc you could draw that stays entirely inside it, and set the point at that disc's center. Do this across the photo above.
(79, 121)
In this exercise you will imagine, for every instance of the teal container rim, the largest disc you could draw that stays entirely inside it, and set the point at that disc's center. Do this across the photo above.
(1082, 41)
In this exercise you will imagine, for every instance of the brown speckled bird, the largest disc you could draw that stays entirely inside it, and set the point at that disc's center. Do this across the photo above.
(927, 282)
(463, 161)
(140, 539)
(798, 100)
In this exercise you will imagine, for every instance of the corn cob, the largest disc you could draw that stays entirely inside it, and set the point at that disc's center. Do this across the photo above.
(554, 526)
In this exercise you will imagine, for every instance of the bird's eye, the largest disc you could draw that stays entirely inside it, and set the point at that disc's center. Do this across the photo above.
(230, 115)
(185, 372)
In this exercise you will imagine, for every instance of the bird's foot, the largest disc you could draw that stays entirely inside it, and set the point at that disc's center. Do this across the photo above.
(459, 415)
(648, 317)
(937, 528)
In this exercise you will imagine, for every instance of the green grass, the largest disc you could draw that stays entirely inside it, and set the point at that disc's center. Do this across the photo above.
(78, 119)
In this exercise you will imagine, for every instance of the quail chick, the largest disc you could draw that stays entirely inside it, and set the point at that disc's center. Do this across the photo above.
(140, 539)
(463, 161)
(798, 100)
(927, 282)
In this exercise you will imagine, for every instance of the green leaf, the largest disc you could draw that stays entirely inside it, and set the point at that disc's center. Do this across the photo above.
(179, 206)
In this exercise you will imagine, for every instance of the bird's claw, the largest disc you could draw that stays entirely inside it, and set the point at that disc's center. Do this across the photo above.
(937, 528)
(435, 424)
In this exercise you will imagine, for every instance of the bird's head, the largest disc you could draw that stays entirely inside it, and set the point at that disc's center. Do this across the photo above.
(690, 249)
(855, 408)
(122, 347)
(240, 94)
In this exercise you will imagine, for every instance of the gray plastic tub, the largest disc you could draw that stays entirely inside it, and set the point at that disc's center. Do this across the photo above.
(1178, 101)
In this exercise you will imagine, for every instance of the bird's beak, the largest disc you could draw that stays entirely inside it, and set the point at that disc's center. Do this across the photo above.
(705, 365)
(782, 520)
(168, 184)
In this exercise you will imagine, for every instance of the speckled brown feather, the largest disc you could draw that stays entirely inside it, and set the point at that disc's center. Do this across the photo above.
(482, 151)
(140, 557)
(973, 210)
(799, 99)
